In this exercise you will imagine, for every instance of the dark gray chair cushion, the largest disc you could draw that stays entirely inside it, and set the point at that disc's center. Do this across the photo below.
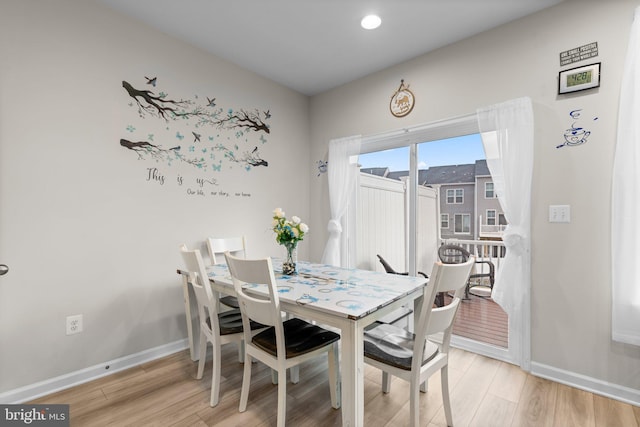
(300, 337)
(230, 301)
(394, 346)
(231, 322)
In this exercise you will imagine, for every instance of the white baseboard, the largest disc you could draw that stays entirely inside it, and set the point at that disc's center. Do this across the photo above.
(582, 382)
(43, 388)
(603, 388)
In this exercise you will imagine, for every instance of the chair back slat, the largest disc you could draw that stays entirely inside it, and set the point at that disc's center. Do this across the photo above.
(443, 278)
(453, 276)
(219, 245)
(247, 274)
(198, 279)
(442, 317)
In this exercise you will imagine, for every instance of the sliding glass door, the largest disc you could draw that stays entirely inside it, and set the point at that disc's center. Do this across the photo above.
(411, 199)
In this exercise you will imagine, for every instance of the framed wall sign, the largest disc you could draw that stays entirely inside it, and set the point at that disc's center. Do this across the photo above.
(402, 101)
(579, 78)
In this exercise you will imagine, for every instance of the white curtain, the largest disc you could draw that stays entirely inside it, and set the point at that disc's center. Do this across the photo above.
(507, 136)
(625, 202)
(343, 178)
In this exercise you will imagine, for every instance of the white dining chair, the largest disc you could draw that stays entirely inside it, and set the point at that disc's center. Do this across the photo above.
(414, 358)
(217, 328)
(217, 247)
(285, 344)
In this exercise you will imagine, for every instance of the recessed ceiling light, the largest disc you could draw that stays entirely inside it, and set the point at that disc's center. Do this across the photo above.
(371, 22)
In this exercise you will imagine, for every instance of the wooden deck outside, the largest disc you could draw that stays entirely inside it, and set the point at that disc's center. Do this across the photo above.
(483, 320)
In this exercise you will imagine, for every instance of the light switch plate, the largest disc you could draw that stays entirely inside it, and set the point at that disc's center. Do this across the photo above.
(559, 213)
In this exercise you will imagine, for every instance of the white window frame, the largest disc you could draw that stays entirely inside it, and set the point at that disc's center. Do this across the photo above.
(463, 215)
(452, 196)
(443, 216)
(493, 191)
(491, 217)
(455, 196)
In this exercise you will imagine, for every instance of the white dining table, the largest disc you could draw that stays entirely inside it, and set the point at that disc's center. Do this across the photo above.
(346, 299)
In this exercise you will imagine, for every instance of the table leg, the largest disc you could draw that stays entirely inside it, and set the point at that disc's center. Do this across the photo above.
(417, 309)
(352, 364)
(187, 312)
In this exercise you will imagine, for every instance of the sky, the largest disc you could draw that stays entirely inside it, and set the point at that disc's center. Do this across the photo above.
(454, 151)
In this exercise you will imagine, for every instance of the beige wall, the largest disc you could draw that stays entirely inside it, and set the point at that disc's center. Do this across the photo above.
(84, 232)
(81, 228)
(570, 262)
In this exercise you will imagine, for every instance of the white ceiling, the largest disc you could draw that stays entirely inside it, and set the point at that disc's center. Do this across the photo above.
(315, 45)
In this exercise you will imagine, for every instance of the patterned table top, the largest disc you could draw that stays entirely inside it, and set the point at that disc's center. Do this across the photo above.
(343, 292)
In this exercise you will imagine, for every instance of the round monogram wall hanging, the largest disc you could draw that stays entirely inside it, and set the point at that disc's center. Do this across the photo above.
(402, 101)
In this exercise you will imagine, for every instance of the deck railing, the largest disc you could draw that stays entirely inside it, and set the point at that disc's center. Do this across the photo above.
(491, 231)
(484, 250)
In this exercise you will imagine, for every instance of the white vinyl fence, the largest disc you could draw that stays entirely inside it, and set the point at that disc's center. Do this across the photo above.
(382, 224)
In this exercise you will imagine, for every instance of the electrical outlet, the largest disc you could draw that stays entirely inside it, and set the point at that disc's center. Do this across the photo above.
(74, 324)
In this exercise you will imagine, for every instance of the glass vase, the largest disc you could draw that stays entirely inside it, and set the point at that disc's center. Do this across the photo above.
(289, 264)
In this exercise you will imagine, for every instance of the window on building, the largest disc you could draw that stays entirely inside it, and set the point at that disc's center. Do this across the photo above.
(488, 191)
(455, 196)
(462, 223)
(491, 217)
(444, 220)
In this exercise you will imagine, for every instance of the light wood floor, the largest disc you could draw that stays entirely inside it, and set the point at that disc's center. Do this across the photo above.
(484, 393)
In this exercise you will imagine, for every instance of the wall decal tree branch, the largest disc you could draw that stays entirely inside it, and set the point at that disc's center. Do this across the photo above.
(241, 123)
(155, 105)
(142, 148)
